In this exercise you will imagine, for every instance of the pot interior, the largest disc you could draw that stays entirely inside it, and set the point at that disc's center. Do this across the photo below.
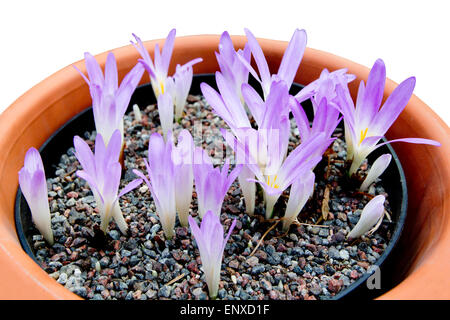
(393, 182)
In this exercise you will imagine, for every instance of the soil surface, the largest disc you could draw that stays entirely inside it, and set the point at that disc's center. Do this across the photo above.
(312, 261)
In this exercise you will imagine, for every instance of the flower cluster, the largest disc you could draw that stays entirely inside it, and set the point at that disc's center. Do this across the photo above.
(259, 133)
(102, 171)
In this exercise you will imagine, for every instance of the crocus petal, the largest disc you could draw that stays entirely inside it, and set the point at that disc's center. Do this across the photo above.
(254, 102)
(93, 69)
(111, 81)
(412, 140)
(300, 192)
(143, 52)
(33, 160)
(84, 155)
(184, 177)
(192, 62)
(249, 67)
(160, 169)
(130, 186)
(91, 181)
(393, 106)
(165, 109)
(216, 102)
(376, 170)
(147, 68)
(82, 74)
(114, 147)
(277, 104)
(292, 57)
(112, 181)
(143, 177)
(260, 60)
(232, 102)
(369, 102)
(182, 80)
(226, 47)
(248, 189)
(230, 230)
(127, 87)
(166, 54)
(300, 119)
(372, 212)
(184, 180)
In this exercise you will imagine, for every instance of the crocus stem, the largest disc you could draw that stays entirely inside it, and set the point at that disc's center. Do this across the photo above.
(169, 234)
(119, 219)
(183, 219)
(287, 223)
(356, 163)
(168, 227)
(270, 203)
(248, 189)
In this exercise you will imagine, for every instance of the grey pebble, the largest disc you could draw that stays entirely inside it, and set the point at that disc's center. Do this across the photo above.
(344, 254)
(71, 202)
(164, 291)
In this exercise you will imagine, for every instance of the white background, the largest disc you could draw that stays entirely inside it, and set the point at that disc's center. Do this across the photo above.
(412, 37)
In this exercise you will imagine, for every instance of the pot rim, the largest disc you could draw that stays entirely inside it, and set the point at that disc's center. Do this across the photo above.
(31, 119)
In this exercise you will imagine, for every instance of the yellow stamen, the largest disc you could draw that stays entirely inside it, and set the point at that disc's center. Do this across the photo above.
(363, 135)
(161, 84)
(273, 184)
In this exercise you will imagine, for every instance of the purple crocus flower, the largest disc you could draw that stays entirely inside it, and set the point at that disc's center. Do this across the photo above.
(325, 86)
(161, 171)
(159, 70)
(34, 187)
(289, 63)
(102, 171)
(232, 69)
(376, 170)
(325, 121)
(296, 165)
(171, 177)
(211, 184)
(366, 124)
(372, 213)
(109, 102)
(277, 176)
(267, 146)
(182, 80)
(211, 245)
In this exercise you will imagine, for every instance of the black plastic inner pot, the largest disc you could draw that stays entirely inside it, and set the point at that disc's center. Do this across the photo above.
(393, 178)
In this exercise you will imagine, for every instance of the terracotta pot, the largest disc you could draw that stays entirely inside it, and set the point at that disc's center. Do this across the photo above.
(421, 263)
